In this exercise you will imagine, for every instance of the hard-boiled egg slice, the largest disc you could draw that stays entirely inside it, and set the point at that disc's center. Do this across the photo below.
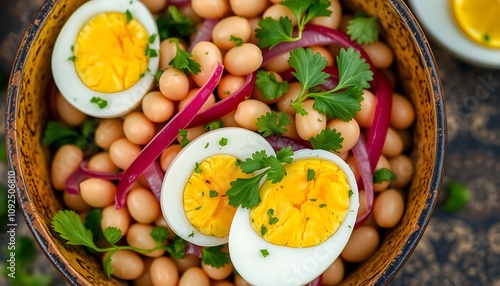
(193, 199)
(325, 200)
(105, 57)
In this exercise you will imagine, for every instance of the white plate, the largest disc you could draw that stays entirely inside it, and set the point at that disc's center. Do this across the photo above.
(437, 20)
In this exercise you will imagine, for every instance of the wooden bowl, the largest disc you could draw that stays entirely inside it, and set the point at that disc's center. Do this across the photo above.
(26, 117)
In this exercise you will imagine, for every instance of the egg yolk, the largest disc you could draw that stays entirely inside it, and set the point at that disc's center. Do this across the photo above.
(110, 52)
(205, 201)
(478, 19)
(306, 207)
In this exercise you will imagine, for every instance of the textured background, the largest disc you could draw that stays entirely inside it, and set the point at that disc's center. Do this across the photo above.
(457, 249)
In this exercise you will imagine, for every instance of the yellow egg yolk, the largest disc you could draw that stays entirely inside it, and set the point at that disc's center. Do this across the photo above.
(110, 52)
(205, 201)
(306, 207)
(478, 19)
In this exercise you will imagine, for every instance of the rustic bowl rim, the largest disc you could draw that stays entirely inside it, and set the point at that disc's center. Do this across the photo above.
(425, 52)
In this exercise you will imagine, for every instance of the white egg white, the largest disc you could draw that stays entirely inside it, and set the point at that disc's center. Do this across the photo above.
(288, 265)
(64, 72)
(241, 143)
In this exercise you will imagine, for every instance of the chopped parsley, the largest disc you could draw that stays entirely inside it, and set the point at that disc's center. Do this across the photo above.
(129, 16)
(213, 193)
(197, 208)
(322, 206)
(310, 174)
(191, 234)
(151, 53)
(174, 24)
(272, 218)
(197, 168)
(263, 230)
(223, 141)
(99, 101)
(238, 41)
(350, 193)
(213, 125)
(264, 252)
(152, 38)
(313, 199)
(184, 140)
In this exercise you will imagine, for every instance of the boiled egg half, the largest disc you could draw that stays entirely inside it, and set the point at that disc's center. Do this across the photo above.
(105, 57)
(193, 197)
(294, 234)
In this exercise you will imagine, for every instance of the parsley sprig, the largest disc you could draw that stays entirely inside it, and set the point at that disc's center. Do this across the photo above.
(363, 29)
(183, 60)
(344, 100)
(269, 86)
(70, 227)
(245, 191)
(273, 123)
(271, 32)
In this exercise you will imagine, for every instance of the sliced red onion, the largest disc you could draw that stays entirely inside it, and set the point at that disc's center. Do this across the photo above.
(154, 176)
(381, 119)
(179, 3)
(165, 136)
(192, 249)
(83, 173)
(365, 171)
(226, 105)
(204, 33)
(316, 282)
(278, 142)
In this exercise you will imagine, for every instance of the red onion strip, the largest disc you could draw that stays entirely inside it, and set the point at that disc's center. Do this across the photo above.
(179, 3)
(226, 105)
(316, 282)
(165, 136)
(192, 249)
(278, 142)
(381, 119)
(83, 173)
(154, 176)
(361, 157)
(204, 33)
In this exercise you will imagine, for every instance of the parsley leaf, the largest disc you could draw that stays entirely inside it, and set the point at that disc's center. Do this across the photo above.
(264, 252)
(177, 248)
(213, 125)
(57, 135)
(245, 191)
(383, 174)
(271, 32)
(159, 234)
(344, 100)
(214, 256)
(183, 61)
(328, 139)
(268, 85)
(363, 30)
(273, 123)
(70, 227)
(174, 24)
(93, 223)
(158, 74)
(112, 234)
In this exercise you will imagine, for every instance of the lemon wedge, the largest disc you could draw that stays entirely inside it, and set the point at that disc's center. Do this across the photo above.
(478, 19)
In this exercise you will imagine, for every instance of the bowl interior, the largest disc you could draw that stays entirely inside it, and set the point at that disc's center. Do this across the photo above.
(26, 118)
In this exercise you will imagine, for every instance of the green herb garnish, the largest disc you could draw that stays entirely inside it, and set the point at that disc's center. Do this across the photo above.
(344, 100)
(328, 139)
(382, 175)
(238, 41)
(129, 16)
(70, 227)
(102, 103)
(271, 32)
(264, 252)
(174, 24)
(310, 174)
(273, 123)
(213, 193)
(197, 168)
(214, 256)
(245, 191)
(269, 86)
(362, 29)
(183, 60)
(183, 133)
(223, 141)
